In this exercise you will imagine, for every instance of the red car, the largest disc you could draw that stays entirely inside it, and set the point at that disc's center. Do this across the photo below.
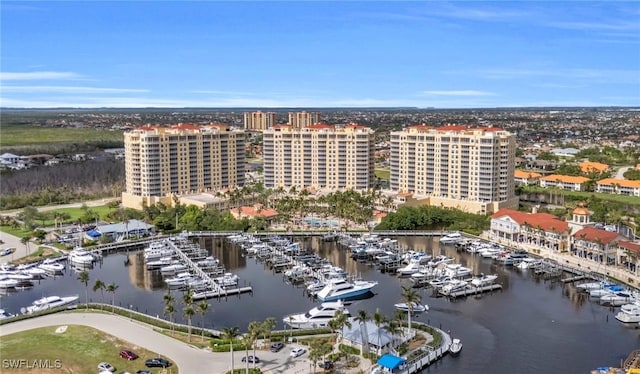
(128, 355)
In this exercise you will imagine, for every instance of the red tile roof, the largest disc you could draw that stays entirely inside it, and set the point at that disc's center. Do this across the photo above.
(632, 246)
(320, 126)
(255, 211)
(452, 128)
(596, 235)
(547, 222)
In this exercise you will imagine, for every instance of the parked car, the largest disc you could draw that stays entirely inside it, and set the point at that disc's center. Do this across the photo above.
(6, 251)
(251, 359)
(128, 355)
(296, 352)
(326, 365)
(105, 366)
(143, 372)
(157, 362)
(276, 347)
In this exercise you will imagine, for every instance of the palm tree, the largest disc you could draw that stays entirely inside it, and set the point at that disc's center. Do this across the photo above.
(202, 308)
(169, 308)
(25, 241)
(112, 287)
(267, 326)
(99, 285)
(255, 328)
(394, 327)
(379, 319)
(83, 277)
(230, 333)
(362, 317)
(342, 320)
(334, 326)
(411, 297)
(188, 311)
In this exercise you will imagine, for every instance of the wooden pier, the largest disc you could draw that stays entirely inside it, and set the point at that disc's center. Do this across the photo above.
(221, 292)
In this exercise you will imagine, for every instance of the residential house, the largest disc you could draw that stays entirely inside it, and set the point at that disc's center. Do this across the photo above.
(564, 182)
(565, 152)
(254, 211)
(589, 167)
(596, 245)
(618, 186)
(629, 256)
(526, 178)
(541, 230)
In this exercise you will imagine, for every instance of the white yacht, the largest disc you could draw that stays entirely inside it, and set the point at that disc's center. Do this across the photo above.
(439, 259)
(591, 286)
(484, 280)
(412, 268)
(453, 286)
(180, 280)
(617, 298)
(455, 347)
(227, 280)
(629, 313)
(157, 250)
(440, 281)
(49, 302)
(528, 263)
(8, 282)
(4, 314)
(80, 256)
(415, 307)
(173, 268)
(457, 270)
(337, 289)
(209, 262)
(452, 238)
(51, 266)
(318, 316)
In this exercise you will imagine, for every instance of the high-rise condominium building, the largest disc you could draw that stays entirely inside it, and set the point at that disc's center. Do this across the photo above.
(319, 156)
(455, 166)
(181, 159)
(258, 121)
(299, 120)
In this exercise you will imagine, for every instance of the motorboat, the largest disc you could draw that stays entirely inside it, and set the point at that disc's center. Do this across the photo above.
(227, 280)
(80, 256)
(629, 313)
(606, 290)
(528, 263)
(49, 302)
(157, 252)
(617, 298)
(315, 286)
(455, 347)
(318, 316)
(8, 283)
(412, 268)
(457, 270)
(453, 286)
(484, 280)
(452, 238)
(156, 264)
(415, 307)
(588, 286)
(209, 262)
(440, 281)
(4, 314)
(337, 289)
(440, 259)
(51, 266)
(180, 280)
(174, 267)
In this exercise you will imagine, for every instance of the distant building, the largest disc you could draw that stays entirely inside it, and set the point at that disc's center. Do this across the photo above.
(319, 156)
(619, 186)
(259, 121)
(565, 152)
(588, 167)
(471, 169)
(254, 211)
(162, 162)
(118, 231)
(536, 229)
(564, 182)
(526, 177)
(300, 120)
(596, 245)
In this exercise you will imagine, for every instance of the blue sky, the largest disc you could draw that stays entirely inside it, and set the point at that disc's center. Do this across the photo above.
(319, 54)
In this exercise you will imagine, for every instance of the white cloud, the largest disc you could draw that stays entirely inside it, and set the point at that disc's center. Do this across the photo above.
(459, 93)
(37, 75)
(70, 89)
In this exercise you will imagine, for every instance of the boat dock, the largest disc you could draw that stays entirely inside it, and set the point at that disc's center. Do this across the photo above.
(471, 290)
(181, 246)
(428, 357)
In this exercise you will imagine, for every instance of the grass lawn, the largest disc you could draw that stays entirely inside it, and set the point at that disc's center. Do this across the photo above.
(20, 232)
(76, 213)
(17, 135)
(384, 174)
(78, 350)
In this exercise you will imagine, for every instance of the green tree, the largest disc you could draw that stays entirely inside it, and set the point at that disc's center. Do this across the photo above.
(379, 319)
(230, 334)
(188, 310)
(342, 321)
(202, 308)
(267, 326)
(83, 277)
(112, 287)
(362, 318)
(100, 285)
(169, 308)
(254, 330)
(412, 298)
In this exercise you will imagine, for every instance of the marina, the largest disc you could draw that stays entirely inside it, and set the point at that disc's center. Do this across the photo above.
(568, 317)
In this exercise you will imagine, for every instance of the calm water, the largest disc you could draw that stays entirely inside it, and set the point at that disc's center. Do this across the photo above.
(529, 326)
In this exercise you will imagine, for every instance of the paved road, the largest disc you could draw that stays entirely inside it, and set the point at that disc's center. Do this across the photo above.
(621, 171)
(189, 359)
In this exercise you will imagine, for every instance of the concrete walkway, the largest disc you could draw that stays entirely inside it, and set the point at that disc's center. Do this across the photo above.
(187, 358)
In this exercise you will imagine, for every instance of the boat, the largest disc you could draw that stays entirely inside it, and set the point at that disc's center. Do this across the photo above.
(318, 316)
(51, 266)
(606, 290)
(314, 286)
(156, 264)
(617, 298)
(457, 270)
(49, 302)
(415, 307)
(337, 289)
(209, 262)
(173, 268)
(455, 347)
(440, 281)
(529, 263)
(452, 238)
(80, 256)
(155, 253)
(4, 314)
(8, 283)
(227, 280)
(180, 280)
(629, 313)
(591, 286)
(412, 268)
(453, 286)
(484, 280)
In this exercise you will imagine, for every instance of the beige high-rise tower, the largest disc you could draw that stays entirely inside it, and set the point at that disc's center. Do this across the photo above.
(181, 159)
(259, 121)
(299, 120)
(319, 156)
(455, 166)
